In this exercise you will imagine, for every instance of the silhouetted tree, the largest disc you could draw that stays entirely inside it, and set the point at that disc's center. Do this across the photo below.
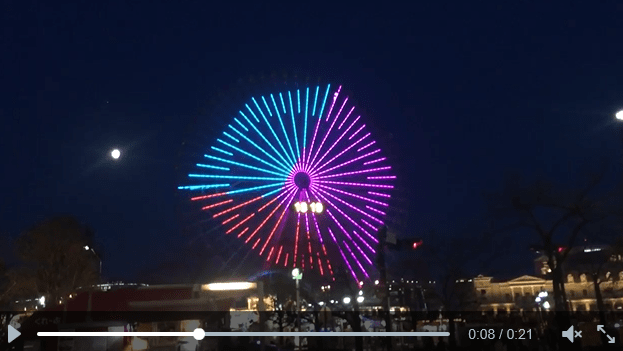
(451, 255)
(556, 215)
(55, 261)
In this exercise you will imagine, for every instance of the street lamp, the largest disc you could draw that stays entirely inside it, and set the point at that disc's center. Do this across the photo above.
(88, 248)
(360, 299)
(297, 275)
(346, 300)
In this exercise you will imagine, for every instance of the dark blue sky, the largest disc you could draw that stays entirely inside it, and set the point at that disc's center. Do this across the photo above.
(467, 91)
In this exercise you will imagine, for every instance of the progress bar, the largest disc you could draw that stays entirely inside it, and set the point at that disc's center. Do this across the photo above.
(198, 335)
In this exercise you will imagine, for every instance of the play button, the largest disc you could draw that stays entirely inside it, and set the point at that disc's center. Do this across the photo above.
(13, 334)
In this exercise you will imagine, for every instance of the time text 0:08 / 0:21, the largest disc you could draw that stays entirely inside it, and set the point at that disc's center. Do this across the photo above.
(499, 334)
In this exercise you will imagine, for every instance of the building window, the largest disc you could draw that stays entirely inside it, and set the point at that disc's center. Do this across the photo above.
(583, 278)
(570, 278)
(585, 292)
(483, 291)
(508, 297)
(517, 296)
(572, 293)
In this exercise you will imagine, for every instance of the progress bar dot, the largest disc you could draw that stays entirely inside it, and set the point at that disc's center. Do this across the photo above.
(199, 334)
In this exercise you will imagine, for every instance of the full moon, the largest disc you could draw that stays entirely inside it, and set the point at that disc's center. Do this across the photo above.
(115, 154)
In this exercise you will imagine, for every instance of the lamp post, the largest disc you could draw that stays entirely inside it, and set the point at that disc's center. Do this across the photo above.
(297, 275)
(88, 248)
(619, 117)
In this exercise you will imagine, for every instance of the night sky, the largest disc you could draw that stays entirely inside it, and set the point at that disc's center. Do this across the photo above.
(468, 93)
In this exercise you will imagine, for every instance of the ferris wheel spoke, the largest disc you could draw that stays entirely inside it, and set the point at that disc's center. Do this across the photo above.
(217, 176)
(217, 204)
(350, 161)
(356, 260)
(313, 165)
(353, 195)
(341, 153)
(285, 164)
(350, 269)
(243, 152)
(367, 245)
(369, 170)
(278, 165)
(305, 123)
(289, 161)
(236, 207)
(335, 95)
(239, 224)
(375, 210)
(363, 220)
(369, 236)
(326, 135)
(311, 146)
(309, 249)
(351, 206)
(272, 232)
(320, 240)
(290, 195)
(284, 191)
(283, 128)
(296, 239)
(366, 146)
(239, 164)
(203, 187)
(363, 254)
(296, 139)
(374, 161)
(231, 137)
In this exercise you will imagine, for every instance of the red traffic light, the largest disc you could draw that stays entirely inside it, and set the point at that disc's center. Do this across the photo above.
(416, 244)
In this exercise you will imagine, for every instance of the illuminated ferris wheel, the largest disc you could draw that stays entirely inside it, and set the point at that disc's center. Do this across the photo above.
(298, 178)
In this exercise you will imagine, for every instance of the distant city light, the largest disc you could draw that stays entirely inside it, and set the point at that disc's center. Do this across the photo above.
(229, 286)
(360, 299)
(376, 282)
(619, 115)
(346, 300)
(596, 249)
(546, 305)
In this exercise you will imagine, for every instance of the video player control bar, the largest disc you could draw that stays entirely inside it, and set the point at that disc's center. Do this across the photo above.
(199, 334)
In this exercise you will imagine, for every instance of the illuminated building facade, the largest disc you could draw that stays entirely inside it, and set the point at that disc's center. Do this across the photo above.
(519, 294)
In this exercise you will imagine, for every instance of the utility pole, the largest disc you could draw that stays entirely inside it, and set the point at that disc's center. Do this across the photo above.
(380, 260)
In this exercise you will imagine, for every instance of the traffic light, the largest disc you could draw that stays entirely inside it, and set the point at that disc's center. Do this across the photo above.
(411, 244)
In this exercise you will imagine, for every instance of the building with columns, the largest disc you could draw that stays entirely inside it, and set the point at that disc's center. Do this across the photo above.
(519, 294)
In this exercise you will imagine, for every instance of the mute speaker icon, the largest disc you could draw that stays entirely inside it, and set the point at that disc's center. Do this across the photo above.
(569, 334)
